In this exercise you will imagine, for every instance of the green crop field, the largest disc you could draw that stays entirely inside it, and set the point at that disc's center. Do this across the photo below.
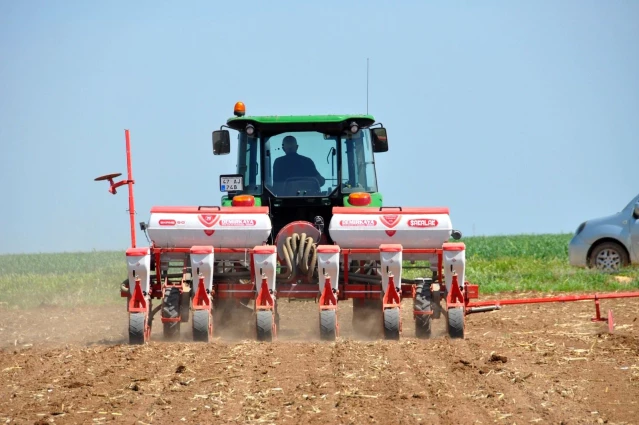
(496, 263)
(28, 280)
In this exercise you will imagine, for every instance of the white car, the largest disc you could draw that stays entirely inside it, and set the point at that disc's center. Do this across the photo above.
(607, 243)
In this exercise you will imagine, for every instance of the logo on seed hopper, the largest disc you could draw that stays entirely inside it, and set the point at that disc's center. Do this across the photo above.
(208, 219)
(390, 221)
(231, 222)
(422, 222)
(357, 223)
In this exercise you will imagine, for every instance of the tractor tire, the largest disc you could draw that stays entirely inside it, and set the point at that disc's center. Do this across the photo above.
(171, 309)
(328, 325)
(392, 323)
(185, 306)
(264, 325)
(202, 325)
(456, 322)
(423, 304)
(608, 257)
(137, 328)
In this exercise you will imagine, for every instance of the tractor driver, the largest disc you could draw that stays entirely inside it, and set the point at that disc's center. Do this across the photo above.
(293, 165)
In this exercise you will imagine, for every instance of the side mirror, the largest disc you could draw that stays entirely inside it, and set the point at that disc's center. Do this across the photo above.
(221, 142)
(635, 213)
(380, 140)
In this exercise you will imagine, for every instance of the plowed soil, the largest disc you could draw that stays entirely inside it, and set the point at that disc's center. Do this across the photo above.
(532, 364)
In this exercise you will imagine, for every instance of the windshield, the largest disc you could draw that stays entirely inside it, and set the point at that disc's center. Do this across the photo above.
(300, 164)
(305, 163)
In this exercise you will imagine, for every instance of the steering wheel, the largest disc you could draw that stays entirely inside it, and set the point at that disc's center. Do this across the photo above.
(345, 185)
(308, 185)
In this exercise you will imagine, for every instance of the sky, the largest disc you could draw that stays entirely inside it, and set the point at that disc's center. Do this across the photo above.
(521, 117)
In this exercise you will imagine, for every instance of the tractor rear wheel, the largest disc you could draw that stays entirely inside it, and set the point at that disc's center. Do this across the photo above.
(392, 323)
(264, 325)
(171, 309)
(328, 325)
(202, 325)
(423, 309)
(456, 322)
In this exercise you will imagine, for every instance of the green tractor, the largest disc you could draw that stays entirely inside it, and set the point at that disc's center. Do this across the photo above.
(341, 170)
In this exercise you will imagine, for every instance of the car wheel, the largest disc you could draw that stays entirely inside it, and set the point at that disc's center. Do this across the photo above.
(609, 257)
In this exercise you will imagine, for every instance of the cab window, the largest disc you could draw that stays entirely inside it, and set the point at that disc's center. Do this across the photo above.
(358, 164)
(248, 158)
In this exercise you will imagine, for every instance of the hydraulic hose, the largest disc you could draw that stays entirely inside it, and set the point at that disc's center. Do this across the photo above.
(289, 255)
(300, 255)
(307, 249)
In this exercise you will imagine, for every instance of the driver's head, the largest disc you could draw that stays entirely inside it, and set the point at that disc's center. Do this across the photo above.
(289, 144)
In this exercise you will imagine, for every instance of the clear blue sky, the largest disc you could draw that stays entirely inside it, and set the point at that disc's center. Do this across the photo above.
(522, 117)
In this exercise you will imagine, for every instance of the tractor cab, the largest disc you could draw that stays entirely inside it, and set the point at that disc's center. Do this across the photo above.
(301, 166)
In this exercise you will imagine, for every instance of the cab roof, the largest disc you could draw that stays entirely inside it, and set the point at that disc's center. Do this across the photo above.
(278, 123)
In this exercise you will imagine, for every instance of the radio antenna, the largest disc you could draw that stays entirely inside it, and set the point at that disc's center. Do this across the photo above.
(366, 86)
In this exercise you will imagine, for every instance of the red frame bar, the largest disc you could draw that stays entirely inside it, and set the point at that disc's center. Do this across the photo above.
(391, 210)
(209, 210)
(304, 290)
(130, 183)
(560, 299)
(440, 266)
(564, 298)
(345, 252)
(160, 250)
(225, 290)
(439, 251)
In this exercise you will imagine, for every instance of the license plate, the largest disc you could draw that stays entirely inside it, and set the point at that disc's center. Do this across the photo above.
(233, 183)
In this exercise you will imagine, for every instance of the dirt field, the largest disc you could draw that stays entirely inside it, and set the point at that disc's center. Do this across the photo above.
(536, 364)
